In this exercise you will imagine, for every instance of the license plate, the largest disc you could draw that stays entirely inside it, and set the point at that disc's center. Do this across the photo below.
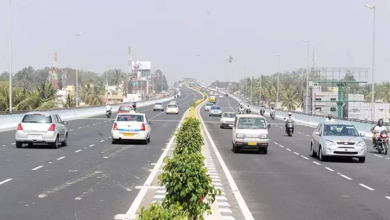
(34, 137)
(128, 135)
(252, 143)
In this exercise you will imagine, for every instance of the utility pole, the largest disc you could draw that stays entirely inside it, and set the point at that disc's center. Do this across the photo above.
(373, 64)
(277, 87)
(307, 76)
(77, 77)
(261, 101)
(252, 89)
(10, 59)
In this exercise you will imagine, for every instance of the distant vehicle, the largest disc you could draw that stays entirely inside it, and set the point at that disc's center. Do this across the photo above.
(37, 127)
(208, 106)
(125, 109)
(131, 126)
(220, 96)
(211, 93)
(337, 140)
(226, 94)
(158, 106)
(215, 110)
(227, 119)
(250, 132)
(172, 109)
(212, 99)
(173, 102)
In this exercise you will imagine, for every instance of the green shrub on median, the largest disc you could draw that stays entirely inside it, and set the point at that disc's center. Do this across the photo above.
(157, 212)
(189, 137)
(187, 183)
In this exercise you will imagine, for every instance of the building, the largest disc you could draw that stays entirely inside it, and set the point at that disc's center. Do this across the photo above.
(70, 89)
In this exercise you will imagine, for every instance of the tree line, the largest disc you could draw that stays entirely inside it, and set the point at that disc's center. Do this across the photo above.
(31, 89)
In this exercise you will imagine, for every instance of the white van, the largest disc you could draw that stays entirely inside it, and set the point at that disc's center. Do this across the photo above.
(250, 132)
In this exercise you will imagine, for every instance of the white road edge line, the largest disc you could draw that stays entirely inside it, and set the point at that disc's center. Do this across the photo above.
(61, 158)
(240, 200)
(315, 162)
(367, 187)
(281, 146)
(304, 157)
(141, 194)
(346, 177)
(5, 181)
(387, 197)
(288, 149)
(296, 153)
(37, 168)
(78, 151)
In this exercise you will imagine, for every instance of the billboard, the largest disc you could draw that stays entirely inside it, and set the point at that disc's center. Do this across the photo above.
(141, 65)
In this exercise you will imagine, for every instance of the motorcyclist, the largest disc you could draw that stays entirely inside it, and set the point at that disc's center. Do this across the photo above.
(262, 110)
(248, 110)
(135, 106)
(376, 131)
(329, 118)
(289, 119)
(108, 108)
(272, 110)
(240, 109)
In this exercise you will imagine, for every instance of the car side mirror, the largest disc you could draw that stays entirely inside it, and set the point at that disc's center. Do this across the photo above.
(269, 126)
(65, 122)
(362, 135)
(318, 133)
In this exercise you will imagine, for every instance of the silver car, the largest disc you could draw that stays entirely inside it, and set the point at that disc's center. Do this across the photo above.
(158, 106)
(337, 140)
(227, 119)
(208, 106)
(40, 127)
(215, 110)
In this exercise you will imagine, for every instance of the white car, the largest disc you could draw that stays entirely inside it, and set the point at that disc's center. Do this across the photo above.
(172, 109)
(227, 119)
(220, 96)
(40, 127)
(208, 106)
(215, 110)
(173, 103)
(250, 132)
(158, 106)
(131, 126)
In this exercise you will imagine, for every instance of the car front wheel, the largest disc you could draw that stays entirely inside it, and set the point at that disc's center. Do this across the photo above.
(320, 155)
(55, 144)
(19, 144)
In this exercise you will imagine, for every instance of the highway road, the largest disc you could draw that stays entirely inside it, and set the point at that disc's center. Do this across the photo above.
(89, 179)
(288, 184)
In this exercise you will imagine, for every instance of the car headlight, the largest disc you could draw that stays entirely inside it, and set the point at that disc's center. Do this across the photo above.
(263, 136)
(361, 144)
(240, 136)
(329, 143)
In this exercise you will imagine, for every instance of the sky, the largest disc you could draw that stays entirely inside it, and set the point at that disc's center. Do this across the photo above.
(191, 38)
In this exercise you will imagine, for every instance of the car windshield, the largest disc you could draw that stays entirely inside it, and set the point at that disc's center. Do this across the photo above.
(209, 104)
(125, 108)
(229, 115)
(135, 118)
(216, 108)
(251, 123)
(158, 104)
(340, 130)
(36, 119)
(172, 106)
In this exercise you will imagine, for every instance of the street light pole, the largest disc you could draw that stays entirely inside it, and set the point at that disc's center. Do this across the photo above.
(10, 62)
(77, 77)
(230, 59)
(252, 89)
(261, 101)
(373, 64)
(307, 75)
(277, 87)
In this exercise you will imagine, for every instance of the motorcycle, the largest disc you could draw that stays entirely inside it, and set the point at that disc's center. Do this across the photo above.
(108, 114)
(289, 127)
(383, 143)
(248, 111)
(273, 115)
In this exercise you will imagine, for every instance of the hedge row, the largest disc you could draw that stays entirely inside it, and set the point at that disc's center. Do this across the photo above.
(190, 191)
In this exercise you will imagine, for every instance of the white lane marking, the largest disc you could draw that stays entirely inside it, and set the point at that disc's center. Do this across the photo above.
(61, 158)
(101, 141)
(377, 155)
(346, 177)
(329, 169)
(240, 200)
(3, 145)
(304, 157)
(387, 197)
(37, 168)
(316, 162)
(288, 149)
(276, 143)
(367, 187)
(87, 126)
(71, 130)
(80, 127)
(13, 143)
(281, 146)
(5, 181)
(78, 151)
(141, 194)
(300, 132)
(296, 153)
(388, 158)
(92, 145)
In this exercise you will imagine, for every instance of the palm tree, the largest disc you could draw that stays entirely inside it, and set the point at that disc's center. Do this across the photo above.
(117, 78)
(44, 97)
(91, 95)
(290, 100)
(70, 101)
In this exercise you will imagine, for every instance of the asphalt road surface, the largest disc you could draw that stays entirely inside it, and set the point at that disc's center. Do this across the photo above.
(89, 179)
(288, 184)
